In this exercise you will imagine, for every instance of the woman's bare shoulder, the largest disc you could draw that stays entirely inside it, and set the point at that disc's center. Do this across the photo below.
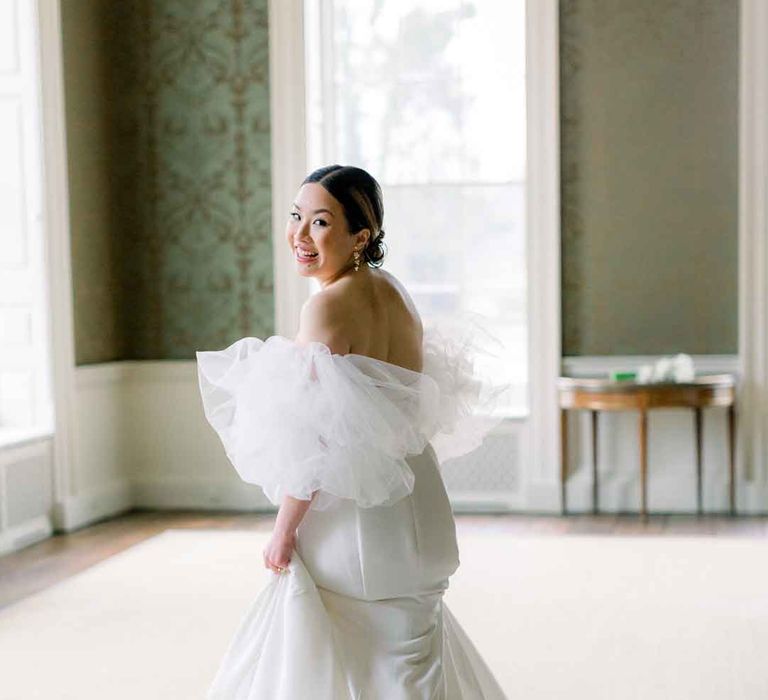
(373, 315)
(324, 319)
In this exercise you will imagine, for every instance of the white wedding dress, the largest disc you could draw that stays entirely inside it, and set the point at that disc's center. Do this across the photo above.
(359, 612)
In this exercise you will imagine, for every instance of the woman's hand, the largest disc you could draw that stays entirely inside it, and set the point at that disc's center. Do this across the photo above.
(277, 553)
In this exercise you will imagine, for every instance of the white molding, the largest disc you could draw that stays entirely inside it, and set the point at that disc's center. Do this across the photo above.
(597, 365)
(12, 438)
(21, 455)
(753, 248)
(57, 244)
(37, 447)
(543, 238)
(25, 534)
(289, 153)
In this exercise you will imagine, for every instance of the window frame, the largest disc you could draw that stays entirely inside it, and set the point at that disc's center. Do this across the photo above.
(289, 161)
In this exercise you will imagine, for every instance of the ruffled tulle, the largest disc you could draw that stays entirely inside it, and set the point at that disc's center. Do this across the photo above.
(296, 419)
(472, 400)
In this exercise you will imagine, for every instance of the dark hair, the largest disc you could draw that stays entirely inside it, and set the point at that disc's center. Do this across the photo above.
(360, 197)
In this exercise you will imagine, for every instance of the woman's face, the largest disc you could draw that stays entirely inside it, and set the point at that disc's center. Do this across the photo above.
(317, 225)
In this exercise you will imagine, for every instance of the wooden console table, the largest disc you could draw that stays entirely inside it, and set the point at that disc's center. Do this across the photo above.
(607, 395)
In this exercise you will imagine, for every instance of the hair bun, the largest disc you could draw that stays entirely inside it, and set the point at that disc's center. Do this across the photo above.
(375, 250)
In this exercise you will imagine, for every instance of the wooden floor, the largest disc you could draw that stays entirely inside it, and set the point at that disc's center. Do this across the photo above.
(38, 566)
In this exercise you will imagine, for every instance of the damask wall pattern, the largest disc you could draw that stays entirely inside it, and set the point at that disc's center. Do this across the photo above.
(204, 273)
(190, 175)
(649, 176)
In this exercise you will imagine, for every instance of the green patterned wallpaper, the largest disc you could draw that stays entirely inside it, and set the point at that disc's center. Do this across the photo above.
(649, 190)
(188, 174)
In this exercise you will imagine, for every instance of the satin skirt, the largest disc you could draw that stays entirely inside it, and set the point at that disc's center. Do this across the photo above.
(359, 614)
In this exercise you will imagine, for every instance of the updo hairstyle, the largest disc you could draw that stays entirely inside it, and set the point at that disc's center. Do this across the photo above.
(360, 197)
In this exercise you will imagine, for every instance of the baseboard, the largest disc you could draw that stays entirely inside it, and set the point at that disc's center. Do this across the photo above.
(673, 493)
(93, 505)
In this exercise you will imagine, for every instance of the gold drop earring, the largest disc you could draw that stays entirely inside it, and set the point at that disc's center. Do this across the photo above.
(357, 259)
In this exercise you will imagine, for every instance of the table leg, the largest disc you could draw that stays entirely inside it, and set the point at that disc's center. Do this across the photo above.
(732, 457)
(699, 451)
(644, 464)
(594, 463)
(563, 459)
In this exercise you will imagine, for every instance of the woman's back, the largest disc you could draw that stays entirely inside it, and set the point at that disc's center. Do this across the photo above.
(380, 318)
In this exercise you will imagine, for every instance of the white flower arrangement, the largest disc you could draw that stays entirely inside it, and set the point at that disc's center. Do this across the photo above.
(678, 368)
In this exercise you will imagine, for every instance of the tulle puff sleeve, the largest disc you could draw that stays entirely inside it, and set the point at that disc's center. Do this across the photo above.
(296, 419)
(460, 355)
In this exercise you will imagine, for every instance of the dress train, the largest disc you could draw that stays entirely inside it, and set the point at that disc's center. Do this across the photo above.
(288, 646)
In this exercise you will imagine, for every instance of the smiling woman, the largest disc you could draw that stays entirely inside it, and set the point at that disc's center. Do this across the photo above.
(338, 429)
(335, 222)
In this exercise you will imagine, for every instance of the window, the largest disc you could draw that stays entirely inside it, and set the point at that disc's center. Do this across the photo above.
(25, 401)
(429, 96)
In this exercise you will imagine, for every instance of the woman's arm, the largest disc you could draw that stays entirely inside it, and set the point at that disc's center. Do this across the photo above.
(277, 553)
(322, 319)
(290, 514)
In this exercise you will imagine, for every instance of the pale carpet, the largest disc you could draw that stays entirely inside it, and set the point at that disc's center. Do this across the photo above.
(586, 616)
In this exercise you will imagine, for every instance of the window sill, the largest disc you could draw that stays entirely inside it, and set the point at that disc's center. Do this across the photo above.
(15, 437)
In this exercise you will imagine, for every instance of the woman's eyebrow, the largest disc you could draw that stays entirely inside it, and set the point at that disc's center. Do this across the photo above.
(317, 211)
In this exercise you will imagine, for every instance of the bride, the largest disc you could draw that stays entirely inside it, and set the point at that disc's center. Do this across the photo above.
(344, 429)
